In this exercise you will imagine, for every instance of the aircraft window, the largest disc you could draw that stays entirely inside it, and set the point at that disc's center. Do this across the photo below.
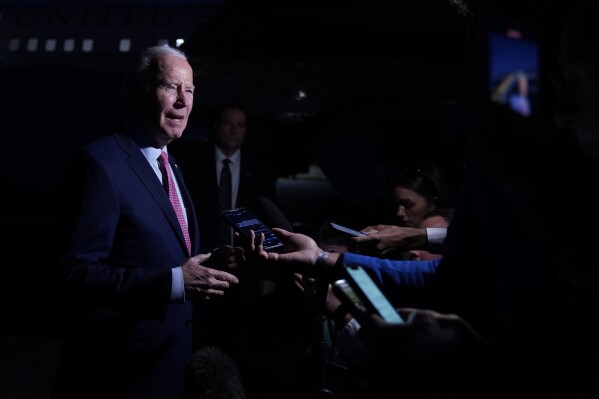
(68, 45)
(32, 44)
(13, 45)
(87, 45)
(125, 45)
(50, 45)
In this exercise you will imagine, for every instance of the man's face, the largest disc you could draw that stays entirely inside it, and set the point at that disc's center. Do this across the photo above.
(172, 100)
(231, 129)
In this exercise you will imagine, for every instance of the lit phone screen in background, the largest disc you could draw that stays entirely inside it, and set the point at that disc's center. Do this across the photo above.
(370, 294)
(513, 74)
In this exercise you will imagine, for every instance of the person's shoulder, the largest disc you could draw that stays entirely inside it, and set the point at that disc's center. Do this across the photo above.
(105, 141)
(98, 148)
(112, 146)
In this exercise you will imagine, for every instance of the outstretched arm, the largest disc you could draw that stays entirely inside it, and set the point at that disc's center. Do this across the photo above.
(387, 238)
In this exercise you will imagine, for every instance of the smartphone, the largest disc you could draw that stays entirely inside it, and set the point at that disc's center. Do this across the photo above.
(346, 294)
(347, 230)
(243, 220)
(360, 291)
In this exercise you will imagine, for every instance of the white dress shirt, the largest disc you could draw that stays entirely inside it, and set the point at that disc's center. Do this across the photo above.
(177, 285)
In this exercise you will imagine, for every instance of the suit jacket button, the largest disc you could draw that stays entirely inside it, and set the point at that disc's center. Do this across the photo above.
(188, 322)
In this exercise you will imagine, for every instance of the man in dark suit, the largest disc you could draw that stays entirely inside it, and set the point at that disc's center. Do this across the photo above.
(127, 268)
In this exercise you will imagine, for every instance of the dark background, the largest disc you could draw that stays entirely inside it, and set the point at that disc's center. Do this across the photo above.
(339, 94)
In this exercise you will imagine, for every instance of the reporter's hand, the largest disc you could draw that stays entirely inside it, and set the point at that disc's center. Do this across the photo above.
(307, 285)
(387, 238)
(204, 282)
(299, 252)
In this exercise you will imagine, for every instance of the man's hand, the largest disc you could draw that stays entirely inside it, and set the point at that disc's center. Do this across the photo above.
(203, 282)
(387, 238)
(299, 252)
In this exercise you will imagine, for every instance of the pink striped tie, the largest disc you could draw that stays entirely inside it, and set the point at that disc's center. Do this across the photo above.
(172, 195)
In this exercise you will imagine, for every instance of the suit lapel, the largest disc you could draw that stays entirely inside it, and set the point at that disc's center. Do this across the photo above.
(145, 173)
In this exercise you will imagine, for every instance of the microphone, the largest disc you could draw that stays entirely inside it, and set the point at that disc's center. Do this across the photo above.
(272, 215)
(212, 373)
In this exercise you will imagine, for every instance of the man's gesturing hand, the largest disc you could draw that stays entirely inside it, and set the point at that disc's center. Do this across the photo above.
(203, 282)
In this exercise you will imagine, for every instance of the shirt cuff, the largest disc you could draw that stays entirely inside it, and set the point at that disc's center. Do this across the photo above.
(436, 235)
(177, 286)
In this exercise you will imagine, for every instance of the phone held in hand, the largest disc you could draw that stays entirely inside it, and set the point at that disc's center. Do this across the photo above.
(243, 220)
(360, 292)
(347, 230)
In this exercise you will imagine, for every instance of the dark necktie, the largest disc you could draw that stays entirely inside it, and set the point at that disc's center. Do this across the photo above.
(169, 186)
(224, 195)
